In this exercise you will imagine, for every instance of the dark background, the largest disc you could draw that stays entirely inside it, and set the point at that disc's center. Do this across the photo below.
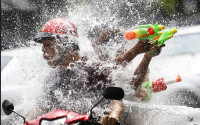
(21, 19)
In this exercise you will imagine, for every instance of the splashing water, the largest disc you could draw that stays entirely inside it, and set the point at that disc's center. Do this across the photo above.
(22, 80)
(33, 69)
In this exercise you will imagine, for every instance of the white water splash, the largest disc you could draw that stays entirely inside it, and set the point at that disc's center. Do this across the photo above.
(26, 83)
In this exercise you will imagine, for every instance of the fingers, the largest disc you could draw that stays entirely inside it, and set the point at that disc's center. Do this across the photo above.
(155, 48)
(141, 94)
(144, 41)
(163, 45)
(106, 120)
(102, 119)
(154, 43)
(146, 46)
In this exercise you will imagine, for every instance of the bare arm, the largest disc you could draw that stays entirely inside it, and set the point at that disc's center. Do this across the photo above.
(105, 35)
(113, 117)
(116, 109)
(146, 78)
(142, 46)
(141, 70)
(127, 56)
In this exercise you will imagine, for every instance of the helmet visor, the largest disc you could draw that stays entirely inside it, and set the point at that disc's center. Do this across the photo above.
(41, 35)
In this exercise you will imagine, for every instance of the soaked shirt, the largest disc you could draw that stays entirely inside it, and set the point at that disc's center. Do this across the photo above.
(78, 87)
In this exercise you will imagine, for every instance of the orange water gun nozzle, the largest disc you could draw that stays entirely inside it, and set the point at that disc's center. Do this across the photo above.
(178, 78)
(130, 35)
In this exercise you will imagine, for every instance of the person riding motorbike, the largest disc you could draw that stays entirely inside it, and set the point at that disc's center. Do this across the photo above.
(78, 77)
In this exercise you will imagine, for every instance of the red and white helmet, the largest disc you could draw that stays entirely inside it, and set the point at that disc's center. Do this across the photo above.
(60, 27)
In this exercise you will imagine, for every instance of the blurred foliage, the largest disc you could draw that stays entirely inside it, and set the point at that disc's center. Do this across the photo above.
(178, 7)
(168, 5)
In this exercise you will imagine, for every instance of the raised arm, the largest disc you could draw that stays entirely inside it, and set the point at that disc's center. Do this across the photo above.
(107, 34)
(142, 68)
(141, 47)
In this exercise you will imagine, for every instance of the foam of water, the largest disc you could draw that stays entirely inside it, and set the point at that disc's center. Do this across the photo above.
(23, 78)
(149, 114)
(32, 71)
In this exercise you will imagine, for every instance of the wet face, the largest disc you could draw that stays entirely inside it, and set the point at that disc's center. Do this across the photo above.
(55, 52)
(51, 50)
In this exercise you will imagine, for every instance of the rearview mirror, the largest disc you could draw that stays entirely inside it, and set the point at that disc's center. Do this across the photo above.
(114, 93)
(7, 107)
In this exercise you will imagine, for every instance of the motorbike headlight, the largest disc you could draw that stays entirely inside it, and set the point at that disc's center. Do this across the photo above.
(59, 121)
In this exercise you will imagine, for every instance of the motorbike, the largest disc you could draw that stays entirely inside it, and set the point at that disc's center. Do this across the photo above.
(63, 117)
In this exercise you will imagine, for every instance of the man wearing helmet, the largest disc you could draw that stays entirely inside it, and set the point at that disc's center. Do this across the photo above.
(78, 78)
(58, 37)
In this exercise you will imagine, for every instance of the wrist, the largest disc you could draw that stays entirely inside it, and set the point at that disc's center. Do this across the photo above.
(148, 56)
(137, 49)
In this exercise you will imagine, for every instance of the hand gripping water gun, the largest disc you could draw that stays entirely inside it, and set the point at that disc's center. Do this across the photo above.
(147, 88)
(152, 33)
